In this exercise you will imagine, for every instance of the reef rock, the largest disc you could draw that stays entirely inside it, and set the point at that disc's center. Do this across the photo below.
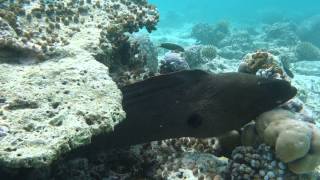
(50, 108)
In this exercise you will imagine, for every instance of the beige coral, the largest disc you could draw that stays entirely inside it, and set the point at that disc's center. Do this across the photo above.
(295, 142)
(252, 62)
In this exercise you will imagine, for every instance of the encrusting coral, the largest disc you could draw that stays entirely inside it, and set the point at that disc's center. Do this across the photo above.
(53, 24)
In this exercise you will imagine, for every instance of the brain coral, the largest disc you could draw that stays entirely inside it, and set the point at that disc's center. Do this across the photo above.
(295, 142)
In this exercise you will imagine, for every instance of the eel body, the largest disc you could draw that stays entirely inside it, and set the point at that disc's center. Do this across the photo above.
(193, 104)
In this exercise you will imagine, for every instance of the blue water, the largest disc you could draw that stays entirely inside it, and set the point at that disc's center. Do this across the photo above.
(239, 11)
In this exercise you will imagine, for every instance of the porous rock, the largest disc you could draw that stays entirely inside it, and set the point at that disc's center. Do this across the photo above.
(50, 108)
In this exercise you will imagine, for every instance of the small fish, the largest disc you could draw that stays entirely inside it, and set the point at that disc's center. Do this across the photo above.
(172, 47)
(286, 67)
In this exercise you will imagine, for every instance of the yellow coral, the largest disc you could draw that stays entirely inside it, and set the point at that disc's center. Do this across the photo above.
(262, 60)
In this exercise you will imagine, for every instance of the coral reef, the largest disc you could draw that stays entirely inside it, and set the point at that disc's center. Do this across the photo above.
(208, 53)
(193, 56)
(172, 158)
(307, 51)
(200, 54)
(283, 34)
(309, 30)
(137, 60)
(172, 62)
(207, 34)
(206, 57)
(147, 51)
(238, 44)
(238, 40)
(296, 142)
(6, 30)
(16, 52)
(13, 50)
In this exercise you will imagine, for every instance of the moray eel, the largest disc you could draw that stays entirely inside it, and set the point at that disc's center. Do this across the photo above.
(193, 104)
